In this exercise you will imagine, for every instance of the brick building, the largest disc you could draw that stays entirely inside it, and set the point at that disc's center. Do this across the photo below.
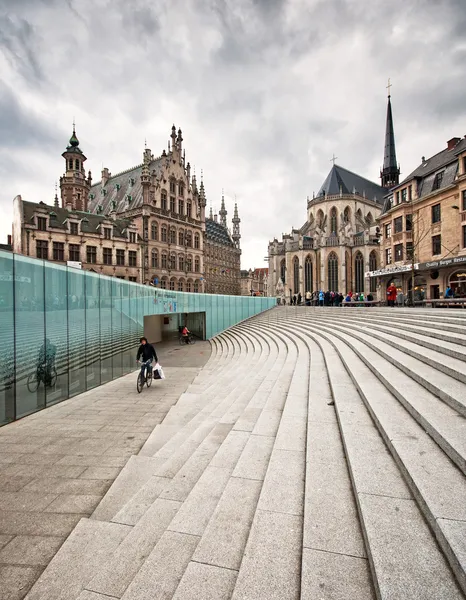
(145, 224)
(423, 228)
(254, 281)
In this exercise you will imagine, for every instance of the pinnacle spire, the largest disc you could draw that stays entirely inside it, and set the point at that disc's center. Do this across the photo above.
(223, 212)
(390, 174)
(55, 202)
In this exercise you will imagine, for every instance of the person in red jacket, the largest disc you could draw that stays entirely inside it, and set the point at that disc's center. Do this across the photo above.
(391, 294)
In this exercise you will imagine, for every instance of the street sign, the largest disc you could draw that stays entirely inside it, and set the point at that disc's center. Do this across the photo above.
(74, 264)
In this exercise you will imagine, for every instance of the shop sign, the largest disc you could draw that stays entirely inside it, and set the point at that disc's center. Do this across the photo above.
(391, 270)
(445, 262)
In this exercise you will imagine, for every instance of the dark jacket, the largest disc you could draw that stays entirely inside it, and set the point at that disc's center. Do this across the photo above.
(147, 351)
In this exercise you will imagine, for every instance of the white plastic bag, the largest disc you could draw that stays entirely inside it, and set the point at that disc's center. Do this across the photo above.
(160, 371)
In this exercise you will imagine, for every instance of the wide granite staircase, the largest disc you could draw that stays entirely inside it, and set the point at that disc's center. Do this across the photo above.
(254, 487)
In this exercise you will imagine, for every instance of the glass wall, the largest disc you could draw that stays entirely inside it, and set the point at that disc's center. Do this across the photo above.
(65, 331)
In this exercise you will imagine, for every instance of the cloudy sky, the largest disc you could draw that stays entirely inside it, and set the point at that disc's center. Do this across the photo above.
(265, 92)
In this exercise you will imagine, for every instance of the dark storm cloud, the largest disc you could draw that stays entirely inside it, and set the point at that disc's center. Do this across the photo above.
(264, 90)
(18, 44)
(20, 127)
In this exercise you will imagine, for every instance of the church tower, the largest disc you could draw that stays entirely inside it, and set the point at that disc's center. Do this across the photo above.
(236, 221)
(390, 174)
(74, 186)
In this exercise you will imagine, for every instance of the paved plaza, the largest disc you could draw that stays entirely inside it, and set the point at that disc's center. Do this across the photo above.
(307, 453)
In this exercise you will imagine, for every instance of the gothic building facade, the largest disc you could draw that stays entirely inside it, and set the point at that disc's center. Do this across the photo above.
(339, 241)
(145, 224)
(222, 253)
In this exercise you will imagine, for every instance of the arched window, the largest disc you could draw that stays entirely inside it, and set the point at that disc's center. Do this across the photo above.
(172, 283)
(189, 239)
(180, 285)
(308, 280)
(359, 221)
(197, 241)
(172, 235)
(197, 264)
(189, 263)
(181, 262)
(333, 220)
(154, 259)
(369, 219)
(359, 273)
(332, 264)
(188, 209)
(196, 286)
(180, 237)
(348, 272)
(373, 267)
(172, 261)
(163, 233)
(153, 230)
(295, 275)
(283, 271)
(347, 215)
(320, 218)
(163, 198)
(189, 285)
(76, 162)
(163, 283)
(70, 163)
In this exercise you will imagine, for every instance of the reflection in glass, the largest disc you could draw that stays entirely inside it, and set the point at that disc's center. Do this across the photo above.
(64, 330)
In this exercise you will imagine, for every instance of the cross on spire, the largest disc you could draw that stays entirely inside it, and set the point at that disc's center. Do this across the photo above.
(388, 87)
(334, 158)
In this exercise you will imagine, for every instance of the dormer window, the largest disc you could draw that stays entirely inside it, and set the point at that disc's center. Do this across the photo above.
(107, 233)
(91, 196)
(438, 180)
(73, 228)
(131, 181)
(129, 198)
(132, 237)
(117, 186)
(41, 223)
(113, 205)
(100, 209)
(103, 191)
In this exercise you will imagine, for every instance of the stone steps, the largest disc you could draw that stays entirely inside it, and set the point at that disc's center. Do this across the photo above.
(426, 467)
(254, 488)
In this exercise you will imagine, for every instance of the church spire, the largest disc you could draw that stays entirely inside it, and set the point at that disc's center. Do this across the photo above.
(236, 231)
(222, 212)
(390, 174)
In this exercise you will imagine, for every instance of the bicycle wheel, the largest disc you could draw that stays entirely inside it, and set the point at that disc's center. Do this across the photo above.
(149, 379)
(33, 382)
(181, 340)
(140, 383)
(192, 339)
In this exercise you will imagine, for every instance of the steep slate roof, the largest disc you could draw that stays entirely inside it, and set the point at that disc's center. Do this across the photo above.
(217, 233)
(349, 181)
(106, 195)
(445, 160)
(89, 222)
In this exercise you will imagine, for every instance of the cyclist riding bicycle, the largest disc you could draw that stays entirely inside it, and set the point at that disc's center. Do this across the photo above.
(46, 361)
(185, 334)
(147, 351)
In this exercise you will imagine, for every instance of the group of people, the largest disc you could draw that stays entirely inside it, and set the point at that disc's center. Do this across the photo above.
(328, 298)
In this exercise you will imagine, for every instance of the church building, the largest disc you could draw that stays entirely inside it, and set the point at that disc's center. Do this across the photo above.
(339, 241)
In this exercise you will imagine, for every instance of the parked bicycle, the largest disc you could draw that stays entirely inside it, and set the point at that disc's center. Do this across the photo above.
(47, 375)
